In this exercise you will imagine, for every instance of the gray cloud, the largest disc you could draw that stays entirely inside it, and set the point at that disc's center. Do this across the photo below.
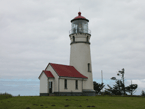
(34, 33)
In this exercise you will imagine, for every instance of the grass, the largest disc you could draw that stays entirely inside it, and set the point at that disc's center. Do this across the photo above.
(71, 102)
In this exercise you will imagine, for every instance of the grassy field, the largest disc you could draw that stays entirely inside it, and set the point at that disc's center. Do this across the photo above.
(71, 102)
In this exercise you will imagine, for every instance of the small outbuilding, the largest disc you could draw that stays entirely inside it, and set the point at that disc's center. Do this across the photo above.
(61, 80)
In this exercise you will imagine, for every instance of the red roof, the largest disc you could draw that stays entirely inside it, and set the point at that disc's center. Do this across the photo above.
(66, 71)
(79, 17)
(48, 74)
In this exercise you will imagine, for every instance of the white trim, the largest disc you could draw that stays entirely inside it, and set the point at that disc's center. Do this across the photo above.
(73, 78)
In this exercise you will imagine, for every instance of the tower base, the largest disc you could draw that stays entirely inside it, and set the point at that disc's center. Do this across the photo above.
(84, 93)
(88, 92)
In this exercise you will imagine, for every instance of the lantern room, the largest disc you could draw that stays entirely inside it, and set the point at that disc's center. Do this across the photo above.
(79, 25)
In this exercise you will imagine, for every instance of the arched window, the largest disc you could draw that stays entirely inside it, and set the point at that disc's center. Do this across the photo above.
(73, 39)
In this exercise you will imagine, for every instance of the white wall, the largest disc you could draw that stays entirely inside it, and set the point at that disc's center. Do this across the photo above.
(80, 37)
(80, 56)
(70, 85)
(43, 84)
(55, 81)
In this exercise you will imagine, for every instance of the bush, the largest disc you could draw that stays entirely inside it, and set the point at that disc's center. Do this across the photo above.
(5, 96)
(142, 93)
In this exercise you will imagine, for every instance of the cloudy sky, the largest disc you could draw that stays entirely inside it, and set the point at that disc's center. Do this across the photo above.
(36, 32)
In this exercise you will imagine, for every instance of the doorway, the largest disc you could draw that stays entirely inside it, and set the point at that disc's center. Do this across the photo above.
(50, 87)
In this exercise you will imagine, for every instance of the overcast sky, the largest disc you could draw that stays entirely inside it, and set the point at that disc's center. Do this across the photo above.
(36, 32)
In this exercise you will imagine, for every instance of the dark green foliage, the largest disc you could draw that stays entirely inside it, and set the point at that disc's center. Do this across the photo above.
(106, 93)
(5, 96)
(117, 89)
(143, 93)
(121, 73)
(131, 88)
(113, 78)
(98, 87)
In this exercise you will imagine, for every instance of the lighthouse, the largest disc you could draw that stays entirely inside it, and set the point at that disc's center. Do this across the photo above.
(74, 79)
(80, 55)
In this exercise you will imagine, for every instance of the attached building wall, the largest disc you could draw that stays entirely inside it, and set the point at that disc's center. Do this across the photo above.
(43, 84)
(71, 85)
(55, 80)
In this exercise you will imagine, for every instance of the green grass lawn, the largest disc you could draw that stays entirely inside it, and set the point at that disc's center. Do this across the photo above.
(72, 102)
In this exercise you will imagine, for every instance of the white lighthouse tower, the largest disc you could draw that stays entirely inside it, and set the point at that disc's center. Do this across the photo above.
(80, 56)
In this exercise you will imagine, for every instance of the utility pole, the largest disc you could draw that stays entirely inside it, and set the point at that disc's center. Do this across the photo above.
(102, 75)
(131, 87)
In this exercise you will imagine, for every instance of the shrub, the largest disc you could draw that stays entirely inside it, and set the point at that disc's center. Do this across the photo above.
(5, 96)
(142, 93)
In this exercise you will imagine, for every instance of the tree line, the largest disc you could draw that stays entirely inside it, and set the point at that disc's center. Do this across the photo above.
(118, 88)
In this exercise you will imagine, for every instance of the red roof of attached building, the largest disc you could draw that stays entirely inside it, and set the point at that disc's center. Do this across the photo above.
(48, 74)
(66, 71)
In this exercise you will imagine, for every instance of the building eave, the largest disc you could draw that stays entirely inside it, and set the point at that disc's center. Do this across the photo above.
(64, 77)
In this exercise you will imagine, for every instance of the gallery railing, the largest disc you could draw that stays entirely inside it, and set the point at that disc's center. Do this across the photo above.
(73, 31)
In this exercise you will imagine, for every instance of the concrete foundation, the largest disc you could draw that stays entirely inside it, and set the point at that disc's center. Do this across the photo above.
(84, 93)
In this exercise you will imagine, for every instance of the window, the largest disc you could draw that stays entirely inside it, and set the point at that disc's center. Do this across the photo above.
(89, 67)
(87, 39)
(65, 83)
(73, 39)
(76, 84)
(79, 26)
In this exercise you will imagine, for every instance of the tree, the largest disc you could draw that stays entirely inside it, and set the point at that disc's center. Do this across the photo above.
(143, 93)
(119, 87)
(122, 74)
(98, 87)
(131, 88)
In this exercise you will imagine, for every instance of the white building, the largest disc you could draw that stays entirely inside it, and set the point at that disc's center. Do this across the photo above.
(76, 78)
